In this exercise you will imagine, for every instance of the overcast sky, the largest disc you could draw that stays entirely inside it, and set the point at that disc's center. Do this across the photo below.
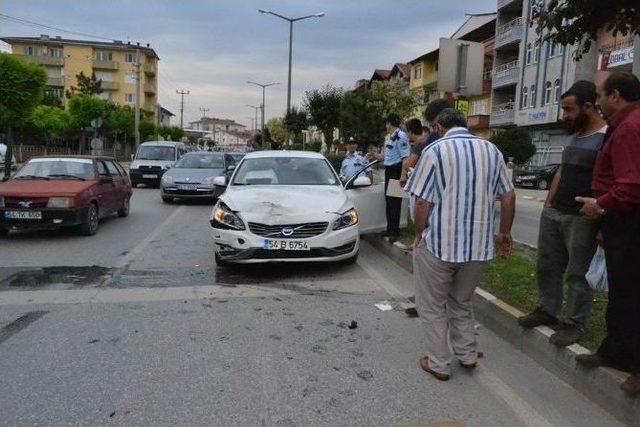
(212, 48)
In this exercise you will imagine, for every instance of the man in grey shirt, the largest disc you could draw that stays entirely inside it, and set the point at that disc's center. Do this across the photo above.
(567, 240)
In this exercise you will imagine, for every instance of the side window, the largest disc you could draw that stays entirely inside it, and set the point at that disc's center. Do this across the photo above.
(102, 169)
(113, 170)
(121, 169)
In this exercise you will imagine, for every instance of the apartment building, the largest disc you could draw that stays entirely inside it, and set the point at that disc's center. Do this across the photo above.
(213, 124)
(115, 63)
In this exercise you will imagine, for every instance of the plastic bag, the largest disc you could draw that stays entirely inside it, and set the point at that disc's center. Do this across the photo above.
(597, 274)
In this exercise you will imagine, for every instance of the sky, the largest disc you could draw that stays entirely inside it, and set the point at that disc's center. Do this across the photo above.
(213, 47)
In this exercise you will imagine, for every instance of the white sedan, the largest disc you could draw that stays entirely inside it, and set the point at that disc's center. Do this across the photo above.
(288, 206)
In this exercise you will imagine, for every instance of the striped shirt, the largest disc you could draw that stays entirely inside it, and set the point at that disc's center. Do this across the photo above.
(460, 174)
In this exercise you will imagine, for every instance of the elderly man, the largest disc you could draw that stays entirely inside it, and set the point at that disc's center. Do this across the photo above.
(616, 186)
(456, 183)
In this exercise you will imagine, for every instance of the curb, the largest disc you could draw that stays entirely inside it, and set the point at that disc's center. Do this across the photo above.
(601, 385)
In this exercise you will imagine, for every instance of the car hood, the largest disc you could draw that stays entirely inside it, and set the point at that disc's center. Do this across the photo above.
(137, 163)
(285, 204)
(42, 188)
(193, 175)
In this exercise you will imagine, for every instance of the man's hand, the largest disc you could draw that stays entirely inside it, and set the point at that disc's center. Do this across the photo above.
(590, 207)
(504, 244)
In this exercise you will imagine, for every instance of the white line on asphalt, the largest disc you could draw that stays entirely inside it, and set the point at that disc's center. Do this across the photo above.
(124, 263)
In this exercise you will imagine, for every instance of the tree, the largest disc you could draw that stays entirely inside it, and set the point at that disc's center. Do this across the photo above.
(295, 121)
(120, 121)
(171, 133)
(323, 106)
(52, 121)
(516, 143)
(51, 99)
(86, 85)
(147, 131)
(277, 131)
(390, 98)
(21, 89)
(568, 22)
(83, 109)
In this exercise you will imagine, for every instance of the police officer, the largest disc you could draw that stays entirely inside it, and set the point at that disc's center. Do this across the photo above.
(353, 162)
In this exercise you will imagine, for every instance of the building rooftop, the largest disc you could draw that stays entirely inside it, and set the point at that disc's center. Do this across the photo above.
(478, 27)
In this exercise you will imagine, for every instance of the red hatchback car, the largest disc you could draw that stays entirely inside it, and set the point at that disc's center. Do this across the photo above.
(60, 191)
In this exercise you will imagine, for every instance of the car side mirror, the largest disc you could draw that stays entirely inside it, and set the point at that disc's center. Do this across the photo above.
(361, 181)
(106, 179)
(220, 181)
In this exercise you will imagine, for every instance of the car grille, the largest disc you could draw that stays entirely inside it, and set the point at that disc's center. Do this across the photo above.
(36, 202)
(300, 231)
(150, 168)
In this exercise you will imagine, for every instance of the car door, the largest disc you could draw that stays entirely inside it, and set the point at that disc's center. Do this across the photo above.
(370, 202)
(119, 184)
(106, 192)
(228, 162)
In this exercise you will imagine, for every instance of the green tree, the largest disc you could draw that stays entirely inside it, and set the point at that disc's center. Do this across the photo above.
(390, 98)
(171, 133)
(295, 121)
(360, 120)
(83, 109)
(568, 22)
(52, 121)
(147, 131)
(120, 122)
(51, 99)
(516, 143)
(21, 89)
(323, 106)
(277, 131)
(86, 85)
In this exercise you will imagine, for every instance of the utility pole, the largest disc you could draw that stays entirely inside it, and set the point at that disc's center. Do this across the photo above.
(255, 126)
(182, 93)
(204, 111)
(263, 86)
(137, 112)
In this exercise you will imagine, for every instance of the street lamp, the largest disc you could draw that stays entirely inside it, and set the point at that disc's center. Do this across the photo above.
(255, 126)
(291, 21)
(263, 86)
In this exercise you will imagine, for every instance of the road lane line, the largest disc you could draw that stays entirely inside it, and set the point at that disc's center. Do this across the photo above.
(123, 264)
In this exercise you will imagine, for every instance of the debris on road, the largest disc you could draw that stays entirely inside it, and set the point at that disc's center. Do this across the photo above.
(353, 324)
(411, 312)
(384, 306)
(93, 341)
(365, 375)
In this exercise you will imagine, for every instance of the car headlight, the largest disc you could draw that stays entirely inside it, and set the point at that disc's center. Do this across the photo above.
(60, 202)
(208, 182)
(167, 179)
(1, 201)
(225, 218)
(347, 219)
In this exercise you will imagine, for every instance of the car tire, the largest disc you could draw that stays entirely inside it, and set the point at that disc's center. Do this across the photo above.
(166, 199)
(220, 262)
(542, 184)
(124, 210)
(89, 226)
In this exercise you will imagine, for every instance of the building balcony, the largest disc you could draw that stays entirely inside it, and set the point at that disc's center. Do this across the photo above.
(503, 114)
(149, 88)
(478, 121)
(150, 71)
(506, 74)
(504, 3)
(107, 85)
(105, 65)
(149, 107)
(510, 32)
(56, 61)
(55, 81)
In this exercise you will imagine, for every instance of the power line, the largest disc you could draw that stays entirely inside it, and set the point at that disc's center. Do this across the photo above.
(49, 27)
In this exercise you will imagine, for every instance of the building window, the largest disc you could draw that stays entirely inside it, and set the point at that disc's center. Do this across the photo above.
(57, 92)
(107, 96)
(524, 99)
(105, 76)
(130, 78)
(54, 51)
(547, 93)
(556, 96)
(30, 51)
(536, 52)
(104, 56)
(130, 58)
(130, 97)
(529, 54)
(533, 96)
(552, 49)
(417, 72)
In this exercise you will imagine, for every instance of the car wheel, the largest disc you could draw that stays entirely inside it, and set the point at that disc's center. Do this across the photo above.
(124, 210)
(542, 184)
(220, 262)
(167, 199)
(90, 225)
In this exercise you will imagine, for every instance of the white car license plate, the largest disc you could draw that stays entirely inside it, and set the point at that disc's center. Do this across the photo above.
(187, 186)
(23, 214)
(149, 176)
(285, 245)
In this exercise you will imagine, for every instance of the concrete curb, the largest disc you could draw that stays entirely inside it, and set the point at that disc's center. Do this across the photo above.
(601, 385)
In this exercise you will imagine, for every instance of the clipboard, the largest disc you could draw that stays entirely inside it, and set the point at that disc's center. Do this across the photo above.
(395, 190)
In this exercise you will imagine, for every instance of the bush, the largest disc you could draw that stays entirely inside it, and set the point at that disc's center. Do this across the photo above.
(516, 143)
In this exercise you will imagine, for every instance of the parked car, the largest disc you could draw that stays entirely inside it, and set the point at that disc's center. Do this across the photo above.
(538, 178)
(192, 176)
(153, 159)
(289, 206)
(51, 192)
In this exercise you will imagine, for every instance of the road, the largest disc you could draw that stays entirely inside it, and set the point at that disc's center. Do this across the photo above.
(137, 326)
(527, 220)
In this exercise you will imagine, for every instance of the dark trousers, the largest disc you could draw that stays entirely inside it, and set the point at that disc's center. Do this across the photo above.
(621, 346)
(393, 204)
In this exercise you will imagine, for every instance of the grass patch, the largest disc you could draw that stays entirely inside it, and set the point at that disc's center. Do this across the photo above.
(514, 281)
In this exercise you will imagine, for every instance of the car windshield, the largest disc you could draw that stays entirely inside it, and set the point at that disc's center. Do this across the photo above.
(285, 171)
(156, 152)
(201, 161)
(57, 168)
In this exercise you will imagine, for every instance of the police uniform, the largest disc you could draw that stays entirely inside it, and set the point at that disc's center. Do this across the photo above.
(352, 164)
(397, 148)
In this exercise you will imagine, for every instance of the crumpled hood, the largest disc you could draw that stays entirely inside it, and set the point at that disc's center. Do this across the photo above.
(285, 204)
(42, 188)
(196, 175)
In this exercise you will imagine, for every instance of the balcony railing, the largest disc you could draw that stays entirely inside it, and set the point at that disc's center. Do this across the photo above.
(510, 32)
(149, 88)
(150, 71)
(503, 114)
(506, 74)
(55, 81)
(108, 85)
(105, 65)
(57, 61)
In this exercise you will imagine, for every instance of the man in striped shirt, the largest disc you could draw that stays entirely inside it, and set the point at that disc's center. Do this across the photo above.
(456, 183)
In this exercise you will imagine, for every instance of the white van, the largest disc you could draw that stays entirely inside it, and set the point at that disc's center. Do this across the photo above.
(153, 159)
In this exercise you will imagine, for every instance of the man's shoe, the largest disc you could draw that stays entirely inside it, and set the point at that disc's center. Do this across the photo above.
(424, 364)
(538, 317)
(632, 385)
(568, 335)
(591, 361)
(469, 366)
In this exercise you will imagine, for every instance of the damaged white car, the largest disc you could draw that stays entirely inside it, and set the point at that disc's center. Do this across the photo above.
(288, 206)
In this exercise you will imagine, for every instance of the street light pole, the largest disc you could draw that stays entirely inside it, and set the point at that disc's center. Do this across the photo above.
(291, 21)
(263, 86)
(255, 126)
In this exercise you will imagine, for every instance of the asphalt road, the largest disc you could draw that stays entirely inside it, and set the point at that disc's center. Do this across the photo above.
(527, 221)
(137, 326)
